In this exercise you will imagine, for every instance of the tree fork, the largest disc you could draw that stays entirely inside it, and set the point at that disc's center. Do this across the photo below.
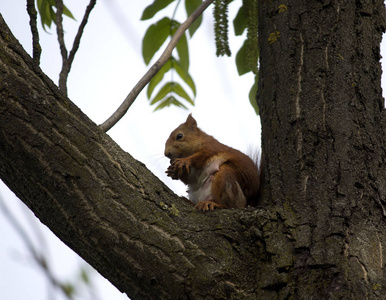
(109, 208)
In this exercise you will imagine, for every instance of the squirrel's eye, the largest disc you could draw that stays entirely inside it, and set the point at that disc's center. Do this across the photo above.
(179, 136)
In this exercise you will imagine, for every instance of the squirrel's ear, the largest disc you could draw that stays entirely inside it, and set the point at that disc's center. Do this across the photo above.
(191, 122)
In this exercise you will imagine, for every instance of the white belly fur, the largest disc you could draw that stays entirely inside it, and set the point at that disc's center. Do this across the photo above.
(201, 190)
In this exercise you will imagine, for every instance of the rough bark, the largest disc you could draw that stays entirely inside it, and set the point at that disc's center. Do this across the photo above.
(108, 207)
(323, 123)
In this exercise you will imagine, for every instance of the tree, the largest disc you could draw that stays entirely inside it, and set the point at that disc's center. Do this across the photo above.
(319, 233)
(324, 129)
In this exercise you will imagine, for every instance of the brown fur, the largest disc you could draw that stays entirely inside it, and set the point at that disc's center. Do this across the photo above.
(217, 175)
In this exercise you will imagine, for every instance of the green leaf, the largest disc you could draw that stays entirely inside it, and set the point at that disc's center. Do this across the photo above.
(241, 61)
(155, 7)
(170, 101)
(68, 289)
(67, 13)
(169, 88)
(240, 22)
(184, 74)
(154, 37)
(167, 102)
(158, 77)
(190, 7)
(178, 89)
(84, 276)
(171, 64)
(47, 13)
(252, 95)
(182, 47)
(166, 89)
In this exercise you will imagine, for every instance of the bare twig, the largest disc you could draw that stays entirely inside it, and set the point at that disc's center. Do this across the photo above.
(22, 233)
(38, 256)
(78, 36)
(122, 109)
(36, 49)
(67, 59)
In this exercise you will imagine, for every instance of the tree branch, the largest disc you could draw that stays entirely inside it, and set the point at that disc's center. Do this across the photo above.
(107, 206)
(63, 50)
(36, 49)
(129, 100)
(67, 59)
(78, 36)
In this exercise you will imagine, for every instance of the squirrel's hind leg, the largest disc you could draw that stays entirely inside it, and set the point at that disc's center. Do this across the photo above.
(226, 191)
(207, 205)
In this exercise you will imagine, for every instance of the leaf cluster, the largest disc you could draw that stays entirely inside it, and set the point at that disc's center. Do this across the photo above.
(171, 91)
(173, 84)
(248, 55)
(47, 13)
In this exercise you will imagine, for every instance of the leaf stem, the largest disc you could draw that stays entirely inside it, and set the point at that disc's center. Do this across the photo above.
(129, 100)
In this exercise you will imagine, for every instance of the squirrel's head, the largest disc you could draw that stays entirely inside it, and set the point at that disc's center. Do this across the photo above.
(184, 140)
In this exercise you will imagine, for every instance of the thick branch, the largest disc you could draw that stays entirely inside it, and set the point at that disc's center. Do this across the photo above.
(105, 205)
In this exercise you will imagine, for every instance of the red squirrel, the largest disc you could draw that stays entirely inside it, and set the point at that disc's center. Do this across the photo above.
(217, 176)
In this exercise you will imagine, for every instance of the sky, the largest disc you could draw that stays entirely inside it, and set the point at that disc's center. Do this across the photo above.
(106, 67)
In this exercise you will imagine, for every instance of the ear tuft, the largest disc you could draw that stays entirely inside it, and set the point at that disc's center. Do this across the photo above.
(191, 122)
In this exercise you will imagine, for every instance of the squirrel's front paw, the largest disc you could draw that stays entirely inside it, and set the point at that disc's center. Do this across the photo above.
(181, 167)
(178, 168)
(171, 172)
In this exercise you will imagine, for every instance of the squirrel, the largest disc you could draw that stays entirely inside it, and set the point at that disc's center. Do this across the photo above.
(217, 176)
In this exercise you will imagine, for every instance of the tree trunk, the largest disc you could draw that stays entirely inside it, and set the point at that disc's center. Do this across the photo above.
(323, 123)
(321, 232)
